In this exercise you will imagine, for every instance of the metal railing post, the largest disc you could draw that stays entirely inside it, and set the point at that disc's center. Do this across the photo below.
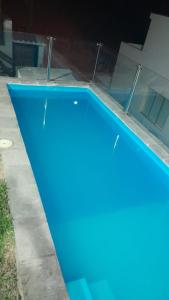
(99, 45)
(49, 57)
(139, 68)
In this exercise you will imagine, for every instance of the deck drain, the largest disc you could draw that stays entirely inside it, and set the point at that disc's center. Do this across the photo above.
(4, 143)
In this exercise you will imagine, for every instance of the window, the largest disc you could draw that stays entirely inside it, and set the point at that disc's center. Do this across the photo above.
(156, 109)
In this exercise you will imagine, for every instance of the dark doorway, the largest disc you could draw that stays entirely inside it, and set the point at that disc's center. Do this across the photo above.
(25, 54)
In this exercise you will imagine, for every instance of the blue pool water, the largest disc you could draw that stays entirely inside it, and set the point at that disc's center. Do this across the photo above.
(105, 194)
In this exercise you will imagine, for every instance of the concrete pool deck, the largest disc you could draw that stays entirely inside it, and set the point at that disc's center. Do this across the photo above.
(39, 274)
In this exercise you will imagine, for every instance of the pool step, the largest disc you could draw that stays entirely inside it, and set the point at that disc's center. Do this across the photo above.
(101, 290)
(79, 290)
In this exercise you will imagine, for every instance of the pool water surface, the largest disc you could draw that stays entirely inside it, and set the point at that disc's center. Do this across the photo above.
(105, 194)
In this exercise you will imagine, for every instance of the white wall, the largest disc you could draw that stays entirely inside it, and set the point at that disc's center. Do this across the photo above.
(155, 52)
(7, 46)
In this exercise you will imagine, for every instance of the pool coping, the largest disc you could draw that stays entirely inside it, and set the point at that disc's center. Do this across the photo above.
(38, 270)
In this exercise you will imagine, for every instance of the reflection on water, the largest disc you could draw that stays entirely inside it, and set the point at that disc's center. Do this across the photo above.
(116, 141)
(45, 111)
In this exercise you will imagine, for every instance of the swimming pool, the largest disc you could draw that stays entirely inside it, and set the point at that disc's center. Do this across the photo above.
(105, 194)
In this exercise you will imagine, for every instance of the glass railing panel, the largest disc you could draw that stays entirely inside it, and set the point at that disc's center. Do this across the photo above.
(115, 74)
(60, 66)
(73, 60)
(150, 104)
(105, 67)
